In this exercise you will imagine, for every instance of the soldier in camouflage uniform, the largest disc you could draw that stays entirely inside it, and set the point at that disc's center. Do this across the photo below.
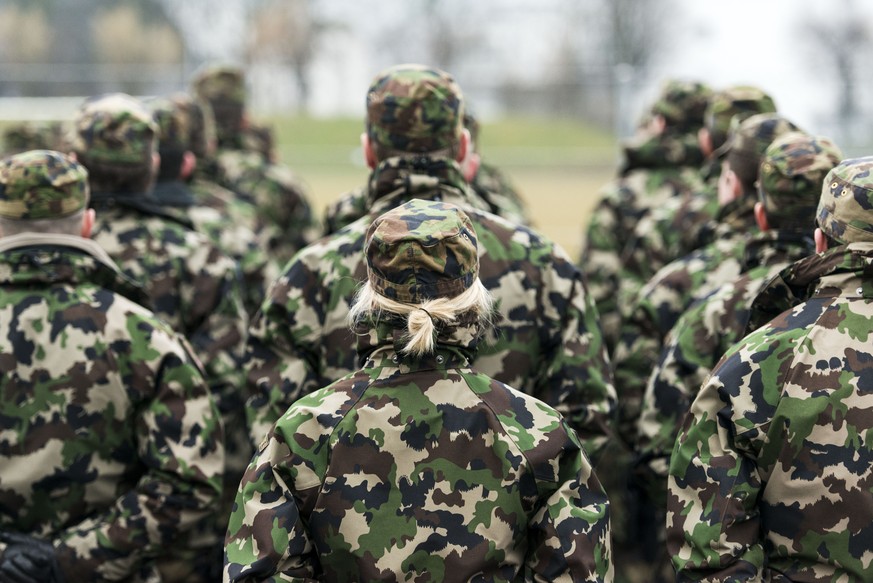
(190, 282)
(547, 340)
(494, 191)
(660, 163)
(240, 164)
(489, 182)
(770, 477)
(667, 295)
(111, 444)
(401, 470)
(790, 180)
(174, 117)
(33, 135)
(681, 224)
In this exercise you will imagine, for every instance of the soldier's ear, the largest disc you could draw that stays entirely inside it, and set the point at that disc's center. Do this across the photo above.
(189, 164)
(704, 139)
(821, 242)
(761, 217)
(87, 223)
(463, 145)
(369, 154)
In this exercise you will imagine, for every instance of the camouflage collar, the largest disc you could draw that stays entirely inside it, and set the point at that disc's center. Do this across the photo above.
(775, 246)
(173, 193)
(389, 330)
(51, 258)
(396, 180)
(141, 202)
(738, 216)
(662, 151)
(443, 358)
(847, 268)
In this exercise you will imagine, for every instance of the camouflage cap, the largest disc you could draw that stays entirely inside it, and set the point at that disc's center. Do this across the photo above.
(174, 124)
(724, 105)
(416, 109)
(683, 104)
(116, 130)
(845, 209)
(32, 135)
(220, 83)
(749, 138)
(791, 176)
(223, 87)
(422, 250)
(42, 184)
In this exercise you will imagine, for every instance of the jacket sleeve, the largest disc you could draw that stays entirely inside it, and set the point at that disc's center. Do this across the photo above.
(569, 535)
(713, 489)
(266, 538)
(180, 446)
(577, 379)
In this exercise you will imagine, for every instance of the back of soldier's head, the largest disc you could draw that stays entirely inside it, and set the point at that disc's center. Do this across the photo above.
(682, 104)
(748, 139)
(223, 87)
(845, 210)
(741, 101)
(42, 191)
(414, 110)
(115, 138)
(790, 179)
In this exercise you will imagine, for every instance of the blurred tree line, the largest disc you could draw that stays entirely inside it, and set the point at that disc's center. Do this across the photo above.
(592, 55)
(82, 47)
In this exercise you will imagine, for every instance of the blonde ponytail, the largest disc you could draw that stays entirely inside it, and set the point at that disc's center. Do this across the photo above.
(421, 318)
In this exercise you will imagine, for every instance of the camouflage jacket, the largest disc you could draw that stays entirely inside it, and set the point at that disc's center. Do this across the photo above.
(495, 188)
(233, 237)
(351, 481)
(277, 193)
(353, 205)
(698, 340)
(111, 444)
(770, 477)
(665, 297)
(546, 341)
(671, 230)
(653, 174)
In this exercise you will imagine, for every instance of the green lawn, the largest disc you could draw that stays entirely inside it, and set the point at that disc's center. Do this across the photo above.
(557, 164)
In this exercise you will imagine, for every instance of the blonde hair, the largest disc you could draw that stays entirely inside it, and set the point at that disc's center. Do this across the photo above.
(421, 318)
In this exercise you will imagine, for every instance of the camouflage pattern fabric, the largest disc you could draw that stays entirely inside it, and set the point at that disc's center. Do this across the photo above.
(546, 342)
(703, 333)
(42, 184)
(769, 478)
(285, 217)
(419, 468)
(195, 288)
(414, 109)
(233, 238)
(682, 104)
(662, 301)
(114, 129)
(222, 86)
(846, 200)
(496, 189)
(27, 135)
(492, 186)
(657, 169)
(421, 251)
(112, 446)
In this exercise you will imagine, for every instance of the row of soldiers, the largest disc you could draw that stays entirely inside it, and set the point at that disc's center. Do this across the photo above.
(193, 388)
(164, 358)
(737, 332)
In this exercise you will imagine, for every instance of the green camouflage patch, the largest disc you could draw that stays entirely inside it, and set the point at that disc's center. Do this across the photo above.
(115, 129)
(42, 184)
(845, 210)
(422, 250)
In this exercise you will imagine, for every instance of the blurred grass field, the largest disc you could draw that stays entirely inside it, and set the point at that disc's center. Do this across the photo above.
(558, 165)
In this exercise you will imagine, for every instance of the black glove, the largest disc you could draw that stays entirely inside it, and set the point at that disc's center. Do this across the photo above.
(28, 560)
